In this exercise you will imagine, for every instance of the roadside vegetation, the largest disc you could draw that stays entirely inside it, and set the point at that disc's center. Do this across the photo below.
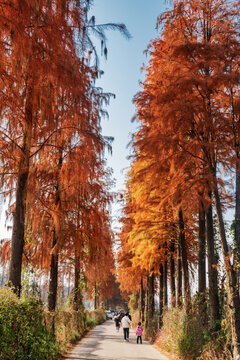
(26, 327)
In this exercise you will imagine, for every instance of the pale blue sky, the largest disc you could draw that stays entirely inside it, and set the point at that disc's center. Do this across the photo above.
(122, 68)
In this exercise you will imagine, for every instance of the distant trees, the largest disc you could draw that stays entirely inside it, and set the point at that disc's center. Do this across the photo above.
(184, 151)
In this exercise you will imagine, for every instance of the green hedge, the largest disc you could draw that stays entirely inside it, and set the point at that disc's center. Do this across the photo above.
(23, 335)
(26, 328)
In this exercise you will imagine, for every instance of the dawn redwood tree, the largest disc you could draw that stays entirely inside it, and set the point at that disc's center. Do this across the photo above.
(149, 229)
(71, 207)
(194, 61)
(39, 40)
(210, 119)
(128, 275)
(188, 118)
(44, 64)
(100, 279)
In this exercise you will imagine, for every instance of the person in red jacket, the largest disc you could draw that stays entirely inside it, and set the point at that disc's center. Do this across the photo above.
(139, 331)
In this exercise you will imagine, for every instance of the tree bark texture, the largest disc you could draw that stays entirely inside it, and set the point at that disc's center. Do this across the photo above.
(146, 303)
(179, 277)
(95, 296)
(161, 280)
(53, 281)
(212, 271)
(172, 274)
(202, 251)
(237, 219)
(151, 307)
(141, 301)
(165, 284)
(232, 291)
(77, 301)
(17, 241)
(182, 242)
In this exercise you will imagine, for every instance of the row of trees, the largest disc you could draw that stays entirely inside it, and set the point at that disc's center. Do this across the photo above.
(51, 146)
(186, 164)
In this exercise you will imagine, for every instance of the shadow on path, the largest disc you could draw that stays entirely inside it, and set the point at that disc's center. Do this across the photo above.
(104, 343)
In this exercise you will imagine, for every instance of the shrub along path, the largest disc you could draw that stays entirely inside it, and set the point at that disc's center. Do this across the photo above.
(104, 343)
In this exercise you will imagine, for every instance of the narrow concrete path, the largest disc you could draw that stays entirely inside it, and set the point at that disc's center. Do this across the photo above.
(104, 343)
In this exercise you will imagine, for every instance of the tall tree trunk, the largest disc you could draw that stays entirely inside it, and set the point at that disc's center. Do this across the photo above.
(146, 303)
(77, 301)
(53, 281)
(237, 219)
(232, 291)
(17, 242)
(201, 251)
(149, 317)
(172, 274)
(151, 307)
(141, 301)
(179, 277)
(212, 271)
(161, 280)
(95, 296)
(182, 241)
(165, 284)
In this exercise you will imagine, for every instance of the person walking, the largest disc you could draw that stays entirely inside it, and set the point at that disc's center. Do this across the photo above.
(139, 331)
(121, 315)
(126, 323)
(117, 322)
(129, 316)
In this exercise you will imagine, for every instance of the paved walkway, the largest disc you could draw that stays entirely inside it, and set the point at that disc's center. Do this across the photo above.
(104, 343)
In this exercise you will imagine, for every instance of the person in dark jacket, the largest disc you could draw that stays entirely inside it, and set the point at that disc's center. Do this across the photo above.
(117, 322)
(130, 318)
(121, 315)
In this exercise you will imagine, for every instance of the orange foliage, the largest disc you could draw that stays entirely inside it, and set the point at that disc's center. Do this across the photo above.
(50, 132)
(189, 129)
